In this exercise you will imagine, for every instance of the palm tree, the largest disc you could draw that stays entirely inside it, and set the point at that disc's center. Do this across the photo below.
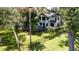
(27, 12)
(30, 48)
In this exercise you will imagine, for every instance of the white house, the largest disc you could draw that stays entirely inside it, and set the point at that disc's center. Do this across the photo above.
(49, 20)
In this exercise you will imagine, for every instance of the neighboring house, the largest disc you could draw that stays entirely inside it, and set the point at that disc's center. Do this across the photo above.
(49, 20)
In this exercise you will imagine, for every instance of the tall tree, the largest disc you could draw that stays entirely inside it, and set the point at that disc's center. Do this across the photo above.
(30, 48)
(9, 16)
(71, 21)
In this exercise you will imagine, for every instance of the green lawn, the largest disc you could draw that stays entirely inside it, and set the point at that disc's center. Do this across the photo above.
(54, 44)
(45, 41)
(58, 43)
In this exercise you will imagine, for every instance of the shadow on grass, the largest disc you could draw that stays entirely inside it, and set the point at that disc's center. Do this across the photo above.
(55, 33)
(37, 46)
(63, 43)
(52, 33)
(39, 33)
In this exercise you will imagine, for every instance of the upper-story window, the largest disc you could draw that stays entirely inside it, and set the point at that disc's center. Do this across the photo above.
(43, 18)
(47, 18)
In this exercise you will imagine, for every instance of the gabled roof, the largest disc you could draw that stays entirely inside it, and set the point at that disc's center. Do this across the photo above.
(50, 14)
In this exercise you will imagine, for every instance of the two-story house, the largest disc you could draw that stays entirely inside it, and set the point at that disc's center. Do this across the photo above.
(49, 20)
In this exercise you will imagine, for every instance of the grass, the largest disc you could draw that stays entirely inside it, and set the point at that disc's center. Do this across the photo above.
(53, 45)
(41, 41)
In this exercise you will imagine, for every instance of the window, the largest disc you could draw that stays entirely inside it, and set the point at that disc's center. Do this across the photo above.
(47, 18)
(39, 17)
(52, 24)
(55, 18)
(43, 25)
(47, 24)
(40, 23)
(43, 18)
